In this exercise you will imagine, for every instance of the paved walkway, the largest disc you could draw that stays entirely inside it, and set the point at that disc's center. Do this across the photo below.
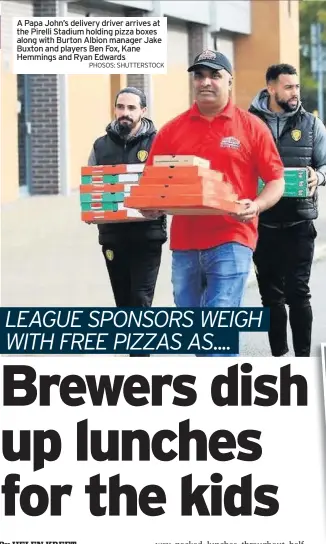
(50, 258)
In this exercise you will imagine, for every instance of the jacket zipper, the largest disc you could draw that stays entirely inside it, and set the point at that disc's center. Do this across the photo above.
(124, 158)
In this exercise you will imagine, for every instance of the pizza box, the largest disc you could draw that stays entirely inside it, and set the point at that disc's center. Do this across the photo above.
(181, 160)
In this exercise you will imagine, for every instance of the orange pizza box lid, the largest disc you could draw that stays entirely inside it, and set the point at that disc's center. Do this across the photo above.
(214, 189)
(103, 188)
(112, 169)
(181, 172)
(186, 201)
(99, 217)
(181, 160)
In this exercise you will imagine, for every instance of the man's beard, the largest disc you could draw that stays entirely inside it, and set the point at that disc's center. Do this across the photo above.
(288, 108)
(124, 128)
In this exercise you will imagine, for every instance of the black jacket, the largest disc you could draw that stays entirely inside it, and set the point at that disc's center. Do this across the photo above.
(296, 154)
(112, 149)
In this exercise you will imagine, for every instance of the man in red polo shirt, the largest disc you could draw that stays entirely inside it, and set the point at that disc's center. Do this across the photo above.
(212, 255)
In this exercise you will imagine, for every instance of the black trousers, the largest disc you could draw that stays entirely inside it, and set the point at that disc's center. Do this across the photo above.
(283, 260)
(133, 269)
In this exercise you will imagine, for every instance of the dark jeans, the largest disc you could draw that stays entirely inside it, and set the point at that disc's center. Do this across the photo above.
(133, 269)
(283, 260)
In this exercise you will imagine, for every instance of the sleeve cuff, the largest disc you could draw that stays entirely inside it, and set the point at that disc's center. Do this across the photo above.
(278, 174)
(321, 179)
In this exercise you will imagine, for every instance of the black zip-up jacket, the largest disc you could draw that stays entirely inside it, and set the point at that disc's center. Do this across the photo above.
(112, 149)
(296, 141)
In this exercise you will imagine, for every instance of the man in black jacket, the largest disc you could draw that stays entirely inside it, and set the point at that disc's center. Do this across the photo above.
(286, 242)
(132, 250)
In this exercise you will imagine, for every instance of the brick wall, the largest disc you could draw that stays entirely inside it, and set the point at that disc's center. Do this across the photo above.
(137, 80)
(13, 165)
(21, 131)
(45, 8)
(44, 115)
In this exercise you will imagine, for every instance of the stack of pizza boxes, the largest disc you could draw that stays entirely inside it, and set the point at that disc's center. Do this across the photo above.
(296, 183)
(185, 185)
(103, 190)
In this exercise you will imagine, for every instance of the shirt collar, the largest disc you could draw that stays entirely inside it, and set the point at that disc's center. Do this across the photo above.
(227, 112)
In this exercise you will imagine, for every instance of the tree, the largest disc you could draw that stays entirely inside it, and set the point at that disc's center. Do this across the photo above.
(311, 11)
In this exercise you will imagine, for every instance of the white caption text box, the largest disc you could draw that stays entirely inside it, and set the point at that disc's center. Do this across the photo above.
(90, 45)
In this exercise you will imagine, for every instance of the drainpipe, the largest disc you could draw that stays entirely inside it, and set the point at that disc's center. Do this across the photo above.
(156, 12)
(64, 174)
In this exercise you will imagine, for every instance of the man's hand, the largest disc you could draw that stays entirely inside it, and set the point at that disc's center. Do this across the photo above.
(312, 180)
(250, 212)
(151, 214)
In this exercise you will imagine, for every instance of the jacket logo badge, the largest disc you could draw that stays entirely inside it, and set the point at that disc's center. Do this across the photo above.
(209, 55)
(142, 155)
(109, 254)
(296, 134)
(231, 142)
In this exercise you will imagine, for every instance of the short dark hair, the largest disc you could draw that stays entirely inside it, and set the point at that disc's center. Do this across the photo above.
(274, 71)
(133, 90)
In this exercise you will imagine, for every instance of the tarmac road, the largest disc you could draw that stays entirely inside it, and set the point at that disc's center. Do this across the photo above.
(256, 344)
(50, 258)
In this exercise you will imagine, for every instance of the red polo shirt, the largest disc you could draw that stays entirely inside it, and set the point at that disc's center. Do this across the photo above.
(236, 143)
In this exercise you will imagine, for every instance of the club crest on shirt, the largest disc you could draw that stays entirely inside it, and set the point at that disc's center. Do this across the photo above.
(142, 155)
(230, 142)
(109, 254)
(296, 134)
